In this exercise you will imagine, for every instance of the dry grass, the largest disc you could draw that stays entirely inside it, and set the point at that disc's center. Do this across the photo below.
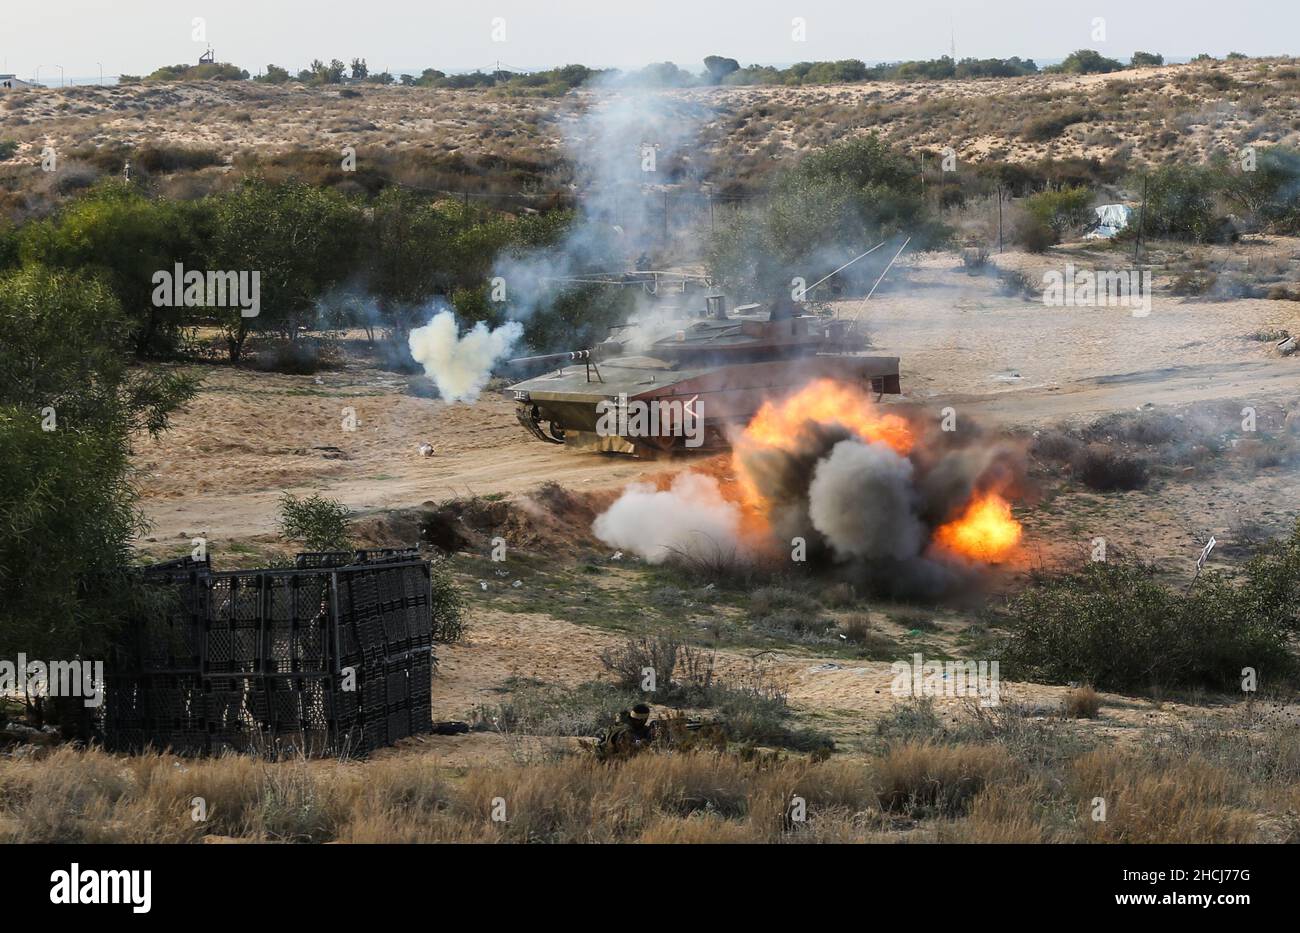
(1182, 801)
(923, 779)
(1231, 780)
(1081, 703)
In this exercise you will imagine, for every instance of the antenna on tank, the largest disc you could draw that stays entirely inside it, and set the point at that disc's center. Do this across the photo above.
(854, 322)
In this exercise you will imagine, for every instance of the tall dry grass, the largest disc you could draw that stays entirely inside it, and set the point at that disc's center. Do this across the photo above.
(1215, 788)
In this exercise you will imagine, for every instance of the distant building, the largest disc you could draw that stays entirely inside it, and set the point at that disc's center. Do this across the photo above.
(12, 83)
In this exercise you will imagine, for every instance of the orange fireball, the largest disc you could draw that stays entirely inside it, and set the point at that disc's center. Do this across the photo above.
(825, 402)
(781, 425)
(986, 531)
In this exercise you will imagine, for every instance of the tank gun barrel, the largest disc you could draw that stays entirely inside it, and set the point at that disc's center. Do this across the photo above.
(571, 356)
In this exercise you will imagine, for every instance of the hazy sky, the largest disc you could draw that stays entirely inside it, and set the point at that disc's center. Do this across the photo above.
(136, 36)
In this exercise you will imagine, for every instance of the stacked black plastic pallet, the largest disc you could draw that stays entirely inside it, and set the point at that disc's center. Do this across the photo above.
(332, 657)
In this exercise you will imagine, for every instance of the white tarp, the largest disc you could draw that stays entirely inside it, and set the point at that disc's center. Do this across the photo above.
(1111, 219)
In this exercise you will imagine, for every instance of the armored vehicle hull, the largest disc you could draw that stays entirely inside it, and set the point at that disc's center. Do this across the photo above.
(692, 388)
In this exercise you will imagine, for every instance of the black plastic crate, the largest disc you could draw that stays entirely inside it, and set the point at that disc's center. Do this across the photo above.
(309, 560)
(297, 624)
(253, 660)
(232, 641)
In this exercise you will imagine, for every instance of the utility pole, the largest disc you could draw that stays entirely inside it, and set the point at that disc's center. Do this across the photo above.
(1142, 216)
(999, 219)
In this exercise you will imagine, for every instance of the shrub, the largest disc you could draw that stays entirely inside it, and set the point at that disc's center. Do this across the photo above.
(320, 524)
(1062, 209)
(1081, 703)
(1182, 203)
(1114, 625)
(925, 779)
(1086, 62)
(1035, 235)
(1044, 128)
(301, 357)
(1104, 469)
(162, 158)
(448, 605)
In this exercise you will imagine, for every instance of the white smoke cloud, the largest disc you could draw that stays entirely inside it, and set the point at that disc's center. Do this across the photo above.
(624, 145)
(862, 499)
(691, 517)
(460, 366)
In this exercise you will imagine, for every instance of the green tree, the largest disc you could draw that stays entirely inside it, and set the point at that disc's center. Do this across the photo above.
(125, 237)
(1087, 62)
(274, 75)
(1182, 203)
(301, 240)
(70, 405)
(718, 67)
(1146, 60)
(822, 213)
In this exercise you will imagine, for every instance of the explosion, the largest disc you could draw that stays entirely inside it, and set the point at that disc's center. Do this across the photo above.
(890, 500)
(986, 531)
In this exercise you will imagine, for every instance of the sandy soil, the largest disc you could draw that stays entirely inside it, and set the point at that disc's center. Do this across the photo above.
(1179, 112)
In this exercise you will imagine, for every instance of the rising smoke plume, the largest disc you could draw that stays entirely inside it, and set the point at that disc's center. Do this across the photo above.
(626, 140)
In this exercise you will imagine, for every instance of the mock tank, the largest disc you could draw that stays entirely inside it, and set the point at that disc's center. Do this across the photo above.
(684, 384)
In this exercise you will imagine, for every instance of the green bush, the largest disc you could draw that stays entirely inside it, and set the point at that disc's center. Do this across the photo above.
(1061, 210)
(162, 158)
(1086, 62)
(822, 213)
(124, 237)
(320, 524)
(448, 606)
(1041, 129)
(1115, 626)
(69, 406)
(1182, 203)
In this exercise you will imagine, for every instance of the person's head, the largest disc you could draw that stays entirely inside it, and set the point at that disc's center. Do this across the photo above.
(640, 712)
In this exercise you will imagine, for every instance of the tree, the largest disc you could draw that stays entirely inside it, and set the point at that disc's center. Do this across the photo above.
(718, 67)
(301, 240)
(406, 243)
(359, 69)
(820, 214)
(1269, 195)
(1182, 203)
(274, 75)
(1087, 62)
(125, 237)
(1146, 60)
(69, 407)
